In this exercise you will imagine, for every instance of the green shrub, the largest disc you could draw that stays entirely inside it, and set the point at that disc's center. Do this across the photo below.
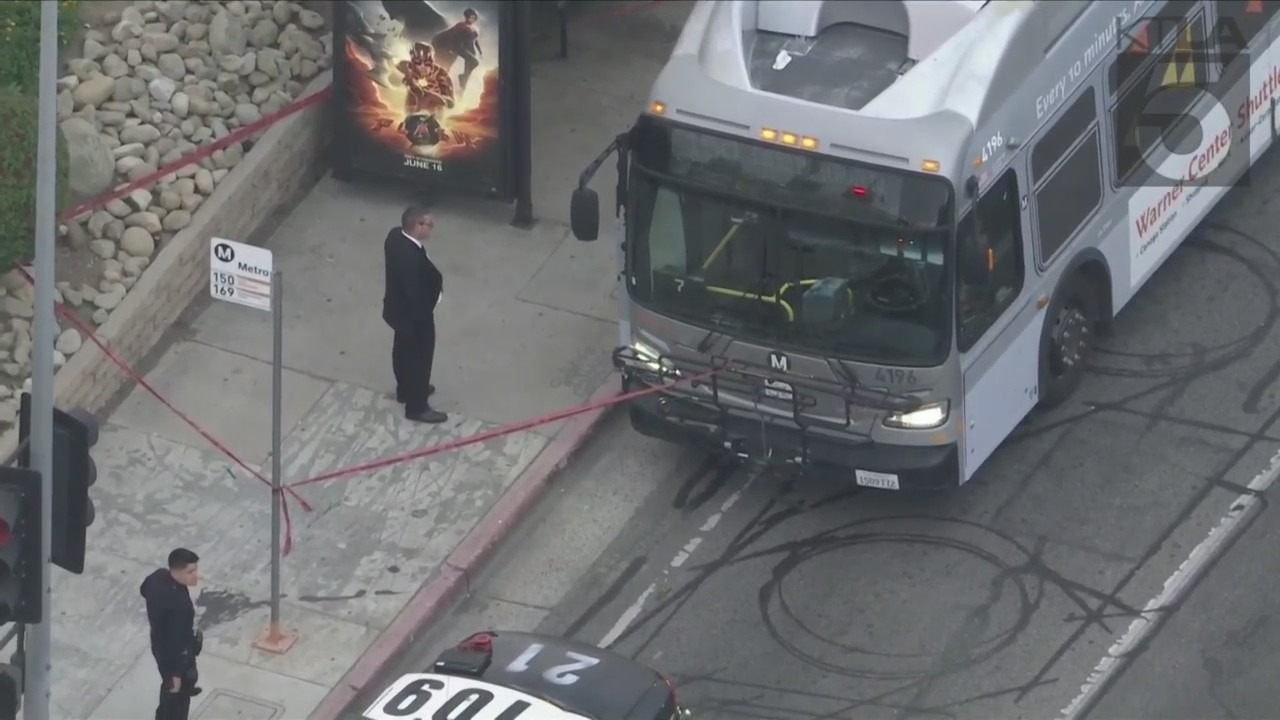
(19, 75)
(20, 40)
(18, 113)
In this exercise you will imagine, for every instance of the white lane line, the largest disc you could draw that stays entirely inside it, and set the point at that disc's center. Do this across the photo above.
(628, 616)
(635, 608)
(1174, 588)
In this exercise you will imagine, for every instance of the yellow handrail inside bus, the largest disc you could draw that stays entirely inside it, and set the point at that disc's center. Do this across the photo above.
(814, 281)
(724, 242)
(801, 283)
(771, 299)
(775, 299)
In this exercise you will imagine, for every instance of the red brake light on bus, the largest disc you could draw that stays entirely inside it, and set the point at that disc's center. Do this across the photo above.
(857, 191)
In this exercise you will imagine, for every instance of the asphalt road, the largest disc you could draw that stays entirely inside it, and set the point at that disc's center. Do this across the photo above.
(774, 597)
(1216, 657)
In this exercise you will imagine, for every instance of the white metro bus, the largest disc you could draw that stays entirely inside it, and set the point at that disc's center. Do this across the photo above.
(894, 227)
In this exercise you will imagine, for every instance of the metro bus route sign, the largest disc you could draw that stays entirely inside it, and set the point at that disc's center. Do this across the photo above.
(240, 273)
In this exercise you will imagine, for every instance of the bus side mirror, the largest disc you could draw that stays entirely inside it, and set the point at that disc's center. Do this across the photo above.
(584, 214)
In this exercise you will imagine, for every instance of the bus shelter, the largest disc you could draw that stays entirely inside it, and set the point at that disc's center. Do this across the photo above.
(435, 94)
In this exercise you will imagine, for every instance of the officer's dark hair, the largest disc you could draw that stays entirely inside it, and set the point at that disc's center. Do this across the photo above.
(182, 558)
(412, 215)
(469, 13)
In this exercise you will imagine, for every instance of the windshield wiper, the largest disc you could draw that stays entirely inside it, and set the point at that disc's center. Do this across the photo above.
(845, 374)
(713, 335)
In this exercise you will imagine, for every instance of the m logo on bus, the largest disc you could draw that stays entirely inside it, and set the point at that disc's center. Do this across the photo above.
(779, 362)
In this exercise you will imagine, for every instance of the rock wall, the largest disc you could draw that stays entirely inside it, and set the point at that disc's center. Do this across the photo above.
(151, 85)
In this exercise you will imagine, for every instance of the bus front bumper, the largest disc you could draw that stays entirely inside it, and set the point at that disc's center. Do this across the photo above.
(675, 419)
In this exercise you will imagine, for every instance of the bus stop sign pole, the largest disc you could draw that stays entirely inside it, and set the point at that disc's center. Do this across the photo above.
(245, 274)
(275, 639)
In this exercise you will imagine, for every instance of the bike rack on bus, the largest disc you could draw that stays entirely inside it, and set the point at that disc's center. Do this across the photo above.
(750, 382)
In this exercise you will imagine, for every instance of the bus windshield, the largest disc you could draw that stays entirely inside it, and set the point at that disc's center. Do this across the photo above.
(789, 248)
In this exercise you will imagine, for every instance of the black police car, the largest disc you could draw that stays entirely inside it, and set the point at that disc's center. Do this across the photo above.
(521, 676)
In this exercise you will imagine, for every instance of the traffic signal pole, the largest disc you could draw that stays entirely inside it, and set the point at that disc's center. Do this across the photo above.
(39, 638)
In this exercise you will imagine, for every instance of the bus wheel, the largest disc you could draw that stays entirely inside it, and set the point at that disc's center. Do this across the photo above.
(1068, 340)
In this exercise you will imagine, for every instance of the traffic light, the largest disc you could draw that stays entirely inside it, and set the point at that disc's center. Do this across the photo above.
(10, 690)
(74, 472)
(21, 564)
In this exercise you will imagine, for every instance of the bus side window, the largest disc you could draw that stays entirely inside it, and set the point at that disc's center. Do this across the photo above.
(990, 263)
(1136, 130)
(1240, 21)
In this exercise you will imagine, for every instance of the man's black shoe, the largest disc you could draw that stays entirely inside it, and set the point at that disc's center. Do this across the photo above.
(431, 390)
(430, 416)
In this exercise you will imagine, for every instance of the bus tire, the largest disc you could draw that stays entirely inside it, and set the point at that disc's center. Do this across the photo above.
(1070, 328)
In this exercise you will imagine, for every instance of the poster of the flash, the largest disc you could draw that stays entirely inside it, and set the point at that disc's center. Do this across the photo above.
(419, 91)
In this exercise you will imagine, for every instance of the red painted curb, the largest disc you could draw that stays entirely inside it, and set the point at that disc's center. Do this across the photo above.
(451, 580)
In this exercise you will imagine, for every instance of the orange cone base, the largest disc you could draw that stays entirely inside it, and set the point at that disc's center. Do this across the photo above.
(274, 639)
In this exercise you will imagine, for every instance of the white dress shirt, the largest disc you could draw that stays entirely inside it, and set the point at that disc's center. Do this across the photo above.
(414, 240)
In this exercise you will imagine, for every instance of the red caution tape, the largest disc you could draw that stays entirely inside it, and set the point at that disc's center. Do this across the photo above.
(101, 201)
(499, 431)
(137, 377)
(205, 151)
(200, 153)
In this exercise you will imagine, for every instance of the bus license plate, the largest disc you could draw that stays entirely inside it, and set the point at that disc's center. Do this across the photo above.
(778, 390)
(882, 481)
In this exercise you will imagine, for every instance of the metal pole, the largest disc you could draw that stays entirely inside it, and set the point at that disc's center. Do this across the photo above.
(277, 493)
(36, 698)
(522, 25)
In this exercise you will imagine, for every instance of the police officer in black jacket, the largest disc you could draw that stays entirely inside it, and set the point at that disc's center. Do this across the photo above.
(174, 641)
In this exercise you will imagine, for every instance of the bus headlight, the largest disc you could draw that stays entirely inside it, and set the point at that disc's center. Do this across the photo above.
(653, 360)
(922, 418)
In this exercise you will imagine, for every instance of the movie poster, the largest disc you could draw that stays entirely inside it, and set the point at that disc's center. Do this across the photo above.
(419, 94)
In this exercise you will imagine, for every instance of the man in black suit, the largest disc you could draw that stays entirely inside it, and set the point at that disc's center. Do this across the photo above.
(414, 288)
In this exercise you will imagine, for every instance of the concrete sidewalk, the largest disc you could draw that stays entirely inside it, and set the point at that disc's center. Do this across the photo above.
(371, 540)
(526, 328)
